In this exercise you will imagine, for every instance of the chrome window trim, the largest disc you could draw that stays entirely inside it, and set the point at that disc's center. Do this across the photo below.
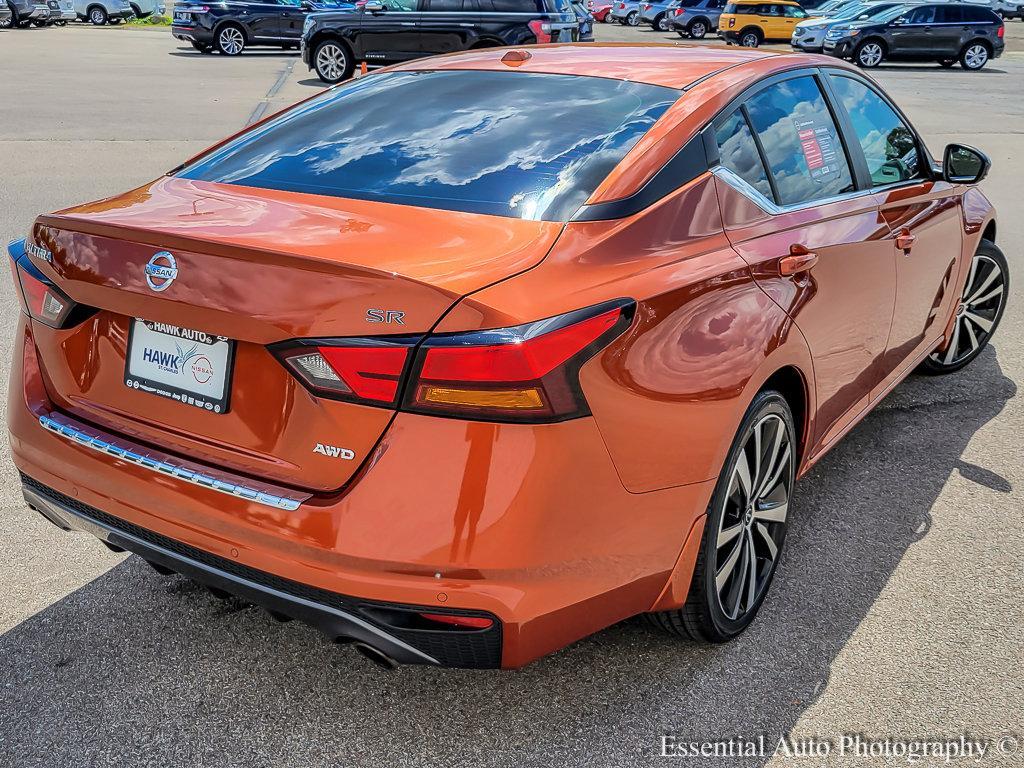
(222, 483)
(769, 206)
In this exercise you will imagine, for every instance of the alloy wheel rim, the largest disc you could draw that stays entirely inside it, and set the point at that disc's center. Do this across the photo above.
(634, 19)
(750, 41)
(753, 521)
(871, 54)
(977, 312)
(976, 56)
(663, 24)
(698, 30)
(231, 41)
(96, 16)
(330, 62)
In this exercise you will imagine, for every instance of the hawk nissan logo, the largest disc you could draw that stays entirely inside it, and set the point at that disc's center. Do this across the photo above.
(161, 271)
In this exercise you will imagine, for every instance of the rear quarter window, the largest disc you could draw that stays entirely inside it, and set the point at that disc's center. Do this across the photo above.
(523, 145)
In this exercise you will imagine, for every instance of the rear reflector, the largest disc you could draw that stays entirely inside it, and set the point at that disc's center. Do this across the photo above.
(527, 373)
(466, 622)
(541, 30)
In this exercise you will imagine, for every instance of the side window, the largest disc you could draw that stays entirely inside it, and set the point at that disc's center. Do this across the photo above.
(888, 143)
(922, 15)
(446, 5)
(737, 152)
(509, 6)
(802, 149)
(949, 15)
(793, 12)
(400, 5)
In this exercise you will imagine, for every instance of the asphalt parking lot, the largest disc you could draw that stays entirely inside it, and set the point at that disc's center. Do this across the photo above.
(896, 612)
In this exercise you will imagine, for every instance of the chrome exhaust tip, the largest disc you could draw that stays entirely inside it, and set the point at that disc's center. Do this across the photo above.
(377, 656)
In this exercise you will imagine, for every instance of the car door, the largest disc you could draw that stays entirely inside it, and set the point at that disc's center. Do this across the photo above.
(948, 30)
(769, 18)
(390, 33)
(913, 34)
(816, 242)
(791, 16)
(292, 17)
(448, 25)
(922, 213)
(262, 20)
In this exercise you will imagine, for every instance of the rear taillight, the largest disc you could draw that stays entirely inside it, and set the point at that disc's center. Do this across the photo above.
(527, 373)
(358, 370)
(678, 12)
(541, 30)
(40, 298)
(1001, 31)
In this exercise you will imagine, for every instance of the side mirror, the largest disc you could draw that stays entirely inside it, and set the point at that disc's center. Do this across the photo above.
(964, 165)
(374, 7)
(898, 22)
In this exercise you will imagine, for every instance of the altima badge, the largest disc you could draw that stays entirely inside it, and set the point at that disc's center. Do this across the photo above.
(161, 271)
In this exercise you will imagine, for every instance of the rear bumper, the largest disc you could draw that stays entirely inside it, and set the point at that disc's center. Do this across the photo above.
(528, 524)
(338, 616)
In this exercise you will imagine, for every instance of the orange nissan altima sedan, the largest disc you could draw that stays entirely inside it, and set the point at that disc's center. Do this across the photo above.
(472, 357)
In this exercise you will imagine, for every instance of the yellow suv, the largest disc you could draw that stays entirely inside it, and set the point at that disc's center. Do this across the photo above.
(750, 22)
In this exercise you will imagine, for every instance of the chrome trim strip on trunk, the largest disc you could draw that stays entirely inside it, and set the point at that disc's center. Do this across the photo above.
(227, 484)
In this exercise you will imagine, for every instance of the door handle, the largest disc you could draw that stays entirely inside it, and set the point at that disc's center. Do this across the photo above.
(799, 260)
(905, 240)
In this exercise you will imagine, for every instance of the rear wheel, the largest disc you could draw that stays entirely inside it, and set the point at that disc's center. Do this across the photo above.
(663, 23)
(745, 527)
(230, 40)
(974, 56)
(633, 19)
(10, 21)
(332, 61)
(977, 314)
(751, 38)
(697, 29)
(869, 54)
(97, 16)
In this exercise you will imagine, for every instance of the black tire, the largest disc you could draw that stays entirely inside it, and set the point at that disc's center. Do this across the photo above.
(975, 55)
(698, 29)
(751, 38)
(230, 39)
(333, 61)
(11, 21)
(662, 23)
(633, 19)
(869, 54)
(704, 618)
(970, 335)
(947, 63)
(201, 47)
(96, 15)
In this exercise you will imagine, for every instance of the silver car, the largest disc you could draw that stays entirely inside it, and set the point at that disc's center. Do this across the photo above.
(696, 18)
(100, 12)
(658, 13)
(809, 35)
(626, 12)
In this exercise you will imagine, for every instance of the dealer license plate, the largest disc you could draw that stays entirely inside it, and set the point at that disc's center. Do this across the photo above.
(189, 366)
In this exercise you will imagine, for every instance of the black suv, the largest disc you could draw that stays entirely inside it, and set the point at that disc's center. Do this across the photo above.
(388, 31)
(945, 33)
(230, 26)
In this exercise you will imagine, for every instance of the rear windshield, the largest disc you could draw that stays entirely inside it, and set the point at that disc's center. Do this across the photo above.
(528, 146)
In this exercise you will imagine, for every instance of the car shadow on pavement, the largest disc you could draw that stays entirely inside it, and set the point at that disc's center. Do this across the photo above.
(140, 669)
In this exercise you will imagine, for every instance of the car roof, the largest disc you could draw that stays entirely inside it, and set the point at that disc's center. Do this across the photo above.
(666, 64)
